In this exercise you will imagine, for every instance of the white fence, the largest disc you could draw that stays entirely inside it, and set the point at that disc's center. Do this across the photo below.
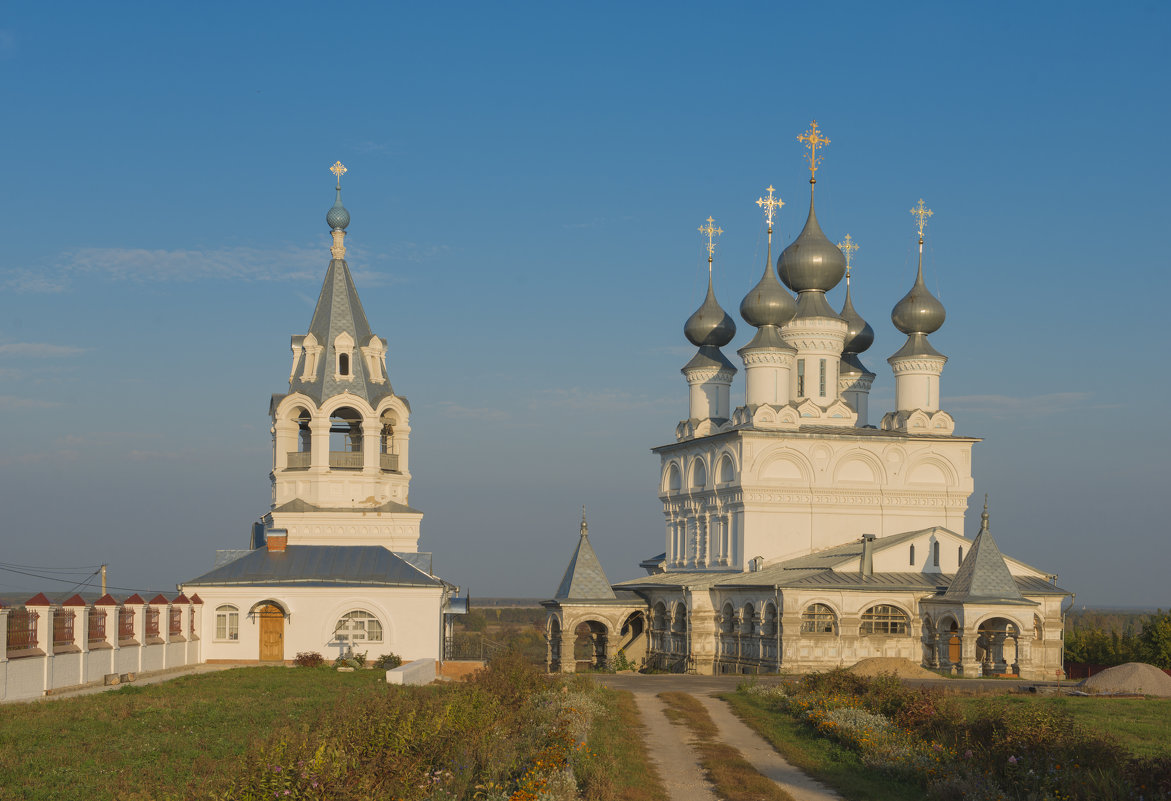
(46, 648)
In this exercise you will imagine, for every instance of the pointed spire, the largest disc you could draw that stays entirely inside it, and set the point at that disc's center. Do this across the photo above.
(984, 575)
(584, 578)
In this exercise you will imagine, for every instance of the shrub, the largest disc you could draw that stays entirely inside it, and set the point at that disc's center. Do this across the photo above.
(387, 662)
(310, 659)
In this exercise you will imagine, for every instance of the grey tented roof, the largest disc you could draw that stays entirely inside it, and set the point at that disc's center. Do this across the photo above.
(339, 309)
(318, 565)
(983, 576)
(584, 577)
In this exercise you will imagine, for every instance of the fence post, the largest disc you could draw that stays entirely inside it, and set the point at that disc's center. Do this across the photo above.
(40, 606)
(3, 642)
(197, 628)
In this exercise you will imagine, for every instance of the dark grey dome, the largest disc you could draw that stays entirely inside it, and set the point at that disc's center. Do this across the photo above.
(919, 312)
(768, 303)
(811, 261)
(710, 326)
(337, 216)
(859, 335)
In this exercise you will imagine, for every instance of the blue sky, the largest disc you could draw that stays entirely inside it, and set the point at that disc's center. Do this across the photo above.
(525, 183)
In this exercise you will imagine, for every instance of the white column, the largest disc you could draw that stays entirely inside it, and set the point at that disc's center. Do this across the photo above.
(371, 444)
(319, 444)
(917, 382)
(284, 440)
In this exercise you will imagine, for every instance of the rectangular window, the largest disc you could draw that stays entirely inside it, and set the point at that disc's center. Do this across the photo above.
(822, 387)
(800, 378)
(227, 623)
(935, 553)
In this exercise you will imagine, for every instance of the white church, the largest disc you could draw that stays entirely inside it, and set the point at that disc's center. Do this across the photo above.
(799, 535)
(334, 564)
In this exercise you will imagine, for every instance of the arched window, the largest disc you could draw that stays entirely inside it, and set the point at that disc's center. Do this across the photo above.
(912, 554)
(343, 364)
(884, 619)
(727, 471)
(345, 439)
(961, 557)
(359, 622)
(935, 552)
(768, 624)
(674, 482)
(680, 623)
(748, 620)
(698, 474)
(227, 623)
(818, 619)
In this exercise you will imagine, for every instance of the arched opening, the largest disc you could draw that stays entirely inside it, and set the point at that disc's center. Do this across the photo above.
(996, 647)
(589, 646)
(387, 447)
(748, 620)
(728, 619)
(272, 633)
(345, 439)
(818, 619)
(355, 629)
(912, 553)
(632, 640)
(554, 640)
(301, 417)
(343, 364)
(768, 623)
(674, 482)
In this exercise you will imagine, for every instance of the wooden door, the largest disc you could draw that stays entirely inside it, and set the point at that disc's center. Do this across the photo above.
(953, 650)
(272, 634)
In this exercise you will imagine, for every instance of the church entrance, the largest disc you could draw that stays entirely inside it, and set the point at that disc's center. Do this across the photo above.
(272, 633)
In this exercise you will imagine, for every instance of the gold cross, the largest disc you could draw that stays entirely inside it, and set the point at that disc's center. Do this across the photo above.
(339, 170)
(921, 213)
(771, 206)
(813, 140)
(710, 231)
(848, 248)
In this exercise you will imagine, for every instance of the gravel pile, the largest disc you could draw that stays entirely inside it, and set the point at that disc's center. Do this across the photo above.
(1133, 678)
(901, 668)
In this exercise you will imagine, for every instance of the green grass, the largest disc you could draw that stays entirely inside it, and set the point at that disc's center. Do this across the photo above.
(733, 777)
(1141, 726)
(620, 769)
(182, 737)
(823, 759)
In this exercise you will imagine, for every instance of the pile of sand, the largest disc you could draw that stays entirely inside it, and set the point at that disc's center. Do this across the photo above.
(1133, 678)
(901, 668)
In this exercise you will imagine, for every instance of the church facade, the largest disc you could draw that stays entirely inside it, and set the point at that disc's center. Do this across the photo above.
(334, 564)
(800, 536)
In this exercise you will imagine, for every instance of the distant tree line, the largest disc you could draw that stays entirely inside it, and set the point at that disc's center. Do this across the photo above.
(1114, 638)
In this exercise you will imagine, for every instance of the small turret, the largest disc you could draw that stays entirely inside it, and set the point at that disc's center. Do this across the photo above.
(709, 374)
(854, 380)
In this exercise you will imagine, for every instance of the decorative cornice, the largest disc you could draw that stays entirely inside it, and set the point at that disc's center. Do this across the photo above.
(930, 365)
(855, 383)
(767, 357)
(702, 375)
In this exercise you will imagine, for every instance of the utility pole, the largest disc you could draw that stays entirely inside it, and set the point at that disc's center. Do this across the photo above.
(103, 579)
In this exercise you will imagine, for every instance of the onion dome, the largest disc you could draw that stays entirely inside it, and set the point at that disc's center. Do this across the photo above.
(767, 303)
(811, 261)
(337, 216)
(710, 326)
(919, 312)
(859, 334)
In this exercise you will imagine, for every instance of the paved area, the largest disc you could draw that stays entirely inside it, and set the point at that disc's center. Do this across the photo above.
(670, 749)
(762, 756)
(669, 746)
(143, 678)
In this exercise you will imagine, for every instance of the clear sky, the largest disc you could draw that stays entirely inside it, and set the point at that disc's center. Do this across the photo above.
(525, 184)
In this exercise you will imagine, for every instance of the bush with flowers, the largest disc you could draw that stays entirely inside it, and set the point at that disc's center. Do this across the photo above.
(998, 752)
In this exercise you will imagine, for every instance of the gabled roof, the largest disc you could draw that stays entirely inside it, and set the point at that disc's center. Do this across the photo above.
(339, 309)
(983, 576)
(584, 577)
(319, 566)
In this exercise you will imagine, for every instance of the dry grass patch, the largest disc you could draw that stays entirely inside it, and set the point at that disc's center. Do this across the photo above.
(732, 775)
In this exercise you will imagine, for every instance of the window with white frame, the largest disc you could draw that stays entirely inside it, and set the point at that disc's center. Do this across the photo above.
(227, 623)
(362, 622)
(884, 619)
(818, 619)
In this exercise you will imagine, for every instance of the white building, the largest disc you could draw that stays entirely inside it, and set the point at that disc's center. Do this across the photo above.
(335, 561)
(798, 535)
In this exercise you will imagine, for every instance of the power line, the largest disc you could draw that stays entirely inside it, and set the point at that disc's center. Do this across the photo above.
(82, 568)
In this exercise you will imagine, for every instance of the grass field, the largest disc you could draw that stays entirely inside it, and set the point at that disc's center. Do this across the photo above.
(196, 736)
(1141, 726)
(177, 736)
